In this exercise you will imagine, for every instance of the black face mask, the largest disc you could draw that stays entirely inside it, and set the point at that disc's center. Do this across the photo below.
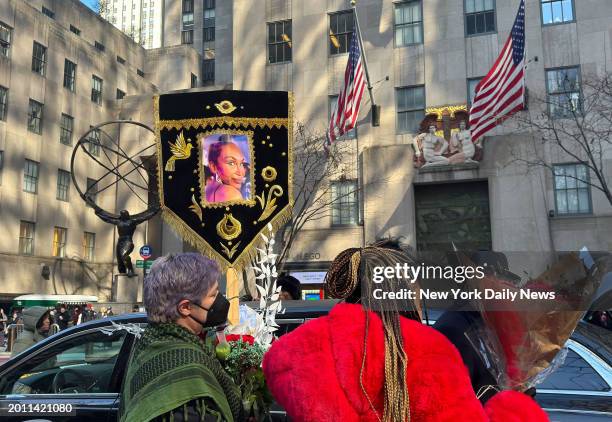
(217, 313)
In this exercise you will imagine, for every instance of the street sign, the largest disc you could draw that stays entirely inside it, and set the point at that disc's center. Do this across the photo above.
(145, 252)
(144, 264)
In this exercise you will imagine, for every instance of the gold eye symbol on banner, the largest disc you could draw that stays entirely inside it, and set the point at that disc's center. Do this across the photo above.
(229, 228)
(225, 106)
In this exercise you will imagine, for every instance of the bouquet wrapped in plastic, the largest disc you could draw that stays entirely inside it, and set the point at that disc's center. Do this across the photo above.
(522, 335)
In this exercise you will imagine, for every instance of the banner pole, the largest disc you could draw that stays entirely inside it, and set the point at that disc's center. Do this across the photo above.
(232, 292)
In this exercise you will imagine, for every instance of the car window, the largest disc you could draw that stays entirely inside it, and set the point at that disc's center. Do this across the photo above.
(286, 326)
(574, 374)
(82, 364)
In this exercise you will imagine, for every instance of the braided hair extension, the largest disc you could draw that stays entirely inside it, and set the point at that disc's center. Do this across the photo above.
(349, 278)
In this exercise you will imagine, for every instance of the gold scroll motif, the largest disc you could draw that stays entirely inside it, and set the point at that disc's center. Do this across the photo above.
(269, 174)
(195, 207)
(269, 204)
(225, 107)
(229, 228)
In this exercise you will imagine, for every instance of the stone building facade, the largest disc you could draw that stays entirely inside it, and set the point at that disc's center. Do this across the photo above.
(64, 69)
(420, 55)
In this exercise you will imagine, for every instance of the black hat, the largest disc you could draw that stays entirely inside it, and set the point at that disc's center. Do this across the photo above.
(290, 285)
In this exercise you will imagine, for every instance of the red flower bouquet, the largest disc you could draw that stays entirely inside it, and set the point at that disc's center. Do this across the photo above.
(241, 357)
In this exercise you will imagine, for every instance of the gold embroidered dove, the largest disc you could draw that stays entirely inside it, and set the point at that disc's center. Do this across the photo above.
(181, 150)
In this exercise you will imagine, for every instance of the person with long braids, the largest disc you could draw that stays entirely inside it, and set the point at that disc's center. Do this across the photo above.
(371, 360)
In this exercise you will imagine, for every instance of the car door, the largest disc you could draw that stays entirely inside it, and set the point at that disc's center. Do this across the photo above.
(76, 377)
(579, 390)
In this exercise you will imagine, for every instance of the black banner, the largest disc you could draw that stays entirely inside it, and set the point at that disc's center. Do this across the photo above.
(225, 168)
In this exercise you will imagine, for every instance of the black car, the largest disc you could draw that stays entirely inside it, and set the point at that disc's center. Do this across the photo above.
(78, 371)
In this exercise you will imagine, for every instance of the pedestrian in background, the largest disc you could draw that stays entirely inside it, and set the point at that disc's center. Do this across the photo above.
(15, 317)
(291, 289)
(36, 324)
(3, 327)
(62, 318)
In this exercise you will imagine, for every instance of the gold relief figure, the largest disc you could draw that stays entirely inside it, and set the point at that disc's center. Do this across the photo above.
(181, 150)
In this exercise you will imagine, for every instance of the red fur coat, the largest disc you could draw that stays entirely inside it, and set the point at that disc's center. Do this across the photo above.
(313, 372)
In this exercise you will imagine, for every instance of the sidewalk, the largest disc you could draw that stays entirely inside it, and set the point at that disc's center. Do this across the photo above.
(4, 356)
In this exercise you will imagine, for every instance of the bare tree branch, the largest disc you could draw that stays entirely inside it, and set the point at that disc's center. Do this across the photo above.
(579, 128)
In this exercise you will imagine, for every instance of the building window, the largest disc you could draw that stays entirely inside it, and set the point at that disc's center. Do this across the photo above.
(194, 81)
(408, 23)
(572, 189)
(63, 185)
(59, 242)
(410, 108)
(69, 75)
(209, 13)
(557, 11)
(563, 91)
(5, 39)
(35, 115)
(96, 89)
(471, 87)
(30, 176)
(92, 189)
(89, 246)
(140, 73)
(341, 27)
(48, 12)
(3, 102)
(120, 94)
(66, 129)
(479, 17)
(39, 58)
(332, 101)
(187, 13)
(120, 60)
(208, 69)
(187, 37)
(279, 42)
(99, 46)
(345, 205)
(209, 38)
(26, 238)
(75, 30)
(93, 142)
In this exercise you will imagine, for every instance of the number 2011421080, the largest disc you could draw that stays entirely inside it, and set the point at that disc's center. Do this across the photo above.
(13, 409)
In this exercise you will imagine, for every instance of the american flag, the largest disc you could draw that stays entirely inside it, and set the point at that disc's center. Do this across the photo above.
(502, 92)
(345, 113)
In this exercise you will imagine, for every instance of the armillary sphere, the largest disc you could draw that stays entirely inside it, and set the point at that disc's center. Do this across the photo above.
(117, 155)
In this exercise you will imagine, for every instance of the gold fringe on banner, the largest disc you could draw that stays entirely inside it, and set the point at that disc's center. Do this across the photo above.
(249, 253)
(253, 122)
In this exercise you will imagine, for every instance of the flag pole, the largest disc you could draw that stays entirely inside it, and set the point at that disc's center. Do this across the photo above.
(365, 64)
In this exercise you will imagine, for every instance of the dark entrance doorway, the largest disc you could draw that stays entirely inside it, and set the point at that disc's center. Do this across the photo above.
(453, 213)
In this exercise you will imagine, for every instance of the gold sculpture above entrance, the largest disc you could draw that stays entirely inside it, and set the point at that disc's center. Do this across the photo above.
(445, 139)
